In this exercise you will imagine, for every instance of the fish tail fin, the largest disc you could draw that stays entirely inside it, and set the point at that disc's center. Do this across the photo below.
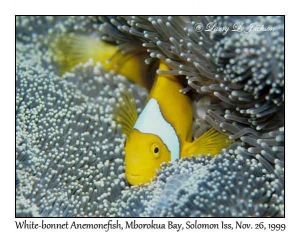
(210, 143)
(126, 113)
(69, 50)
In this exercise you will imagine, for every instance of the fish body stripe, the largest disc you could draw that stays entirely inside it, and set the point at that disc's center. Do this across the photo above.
(152, 121)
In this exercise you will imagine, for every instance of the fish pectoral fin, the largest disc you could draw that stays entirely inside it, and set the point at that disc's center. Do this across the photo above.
(126, 113)
(209, 143)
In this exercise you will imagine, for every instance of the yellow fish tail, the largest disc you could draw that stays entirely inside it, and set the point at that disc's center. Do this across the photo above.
(210, 143)
(69, 50)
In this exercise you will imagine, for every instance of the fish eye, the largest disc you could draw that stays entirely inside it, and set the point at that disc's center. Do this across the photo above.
(155, 150)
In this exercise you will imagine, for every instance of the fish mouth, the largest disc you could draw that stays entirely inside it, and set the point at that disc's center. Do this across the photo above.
(132, 175)
(138, 179)
(134, 179)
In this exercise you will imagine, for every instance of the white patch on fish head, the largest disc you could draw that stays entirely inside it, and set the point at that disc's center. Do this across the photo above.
(152, 121)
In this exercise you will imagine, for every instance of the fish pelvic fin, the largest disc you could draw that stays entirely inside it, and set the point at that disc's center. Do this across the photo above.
(126, 113)
(210, 143)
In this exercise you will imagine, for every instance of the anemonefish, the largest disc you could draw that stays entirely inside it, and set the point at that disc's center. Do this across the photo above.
(163, 130)
(69, 50)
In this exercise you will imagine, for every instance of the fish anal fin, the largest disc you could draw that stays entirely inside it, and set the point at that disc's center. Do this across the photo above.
(210, 143)
(126, 113)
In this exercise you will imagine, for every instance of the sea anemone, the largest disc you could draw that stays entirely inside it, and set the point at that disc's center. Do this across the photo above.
(69, 155)
(233, 67)
(225, 186)
(69, 151)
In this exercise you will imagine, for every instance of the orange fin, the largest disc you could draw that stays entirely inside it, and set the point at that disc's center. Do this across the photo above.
(210, 143)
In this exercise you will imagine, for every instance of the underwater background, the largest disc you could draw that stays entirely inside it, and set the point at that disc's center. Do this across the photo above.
(69, 151)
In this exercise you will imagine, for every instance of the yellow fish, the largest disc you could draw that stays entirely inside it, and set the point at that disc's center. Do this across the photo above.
(69, 50)
(163, 130)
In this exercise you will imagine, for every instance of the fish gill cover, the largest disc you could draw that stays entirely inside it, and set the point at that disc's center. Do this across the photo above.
(69, 151)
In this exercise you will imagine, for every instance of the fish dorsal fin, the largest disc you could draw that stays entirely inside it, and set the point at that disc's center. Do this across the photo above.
(209, 143)
(126, 113)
